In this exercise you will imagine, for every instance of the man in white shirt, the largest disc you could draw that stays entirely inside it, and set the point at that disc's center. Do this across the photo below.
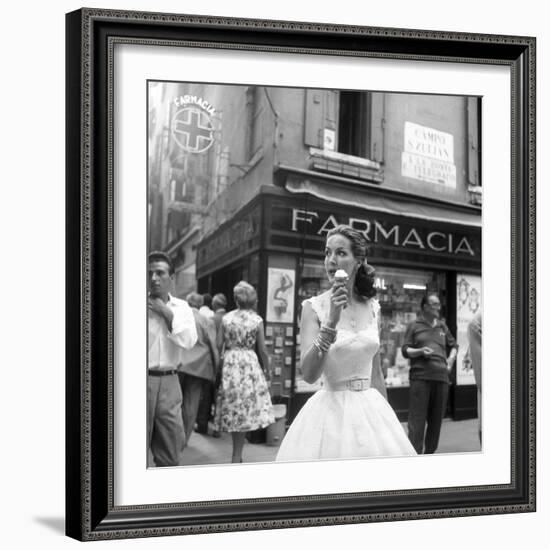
(171, 328)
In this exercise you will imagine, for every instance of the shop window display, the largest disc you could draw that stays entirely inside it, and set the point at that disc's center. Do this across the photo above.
(313, 282)
(399, 292)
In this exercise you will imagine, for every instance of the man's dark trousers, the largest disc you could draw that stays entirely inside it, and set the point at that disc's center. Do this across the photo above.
(427, 405)
(205, 406)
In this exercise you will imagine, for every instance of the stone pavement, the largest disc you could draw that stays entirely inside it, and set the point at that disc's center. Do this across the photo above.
(456, 437)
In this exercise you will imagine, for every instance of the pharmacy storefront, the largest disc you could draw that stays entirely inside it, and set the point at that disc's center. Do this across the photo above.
(278, 245)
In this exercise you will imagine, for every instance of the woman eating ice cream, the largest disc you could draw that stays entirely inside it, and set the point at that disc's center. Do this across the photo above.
(349, 417)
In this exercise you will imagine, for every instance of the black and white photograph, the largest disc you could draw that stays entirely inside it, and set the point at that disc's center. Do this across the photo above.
(314, 273)
(300, 274)
(210, 181)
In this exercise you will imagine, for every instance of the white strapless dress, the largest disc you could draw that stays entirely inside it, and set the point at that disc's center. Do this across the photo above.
(346, 418)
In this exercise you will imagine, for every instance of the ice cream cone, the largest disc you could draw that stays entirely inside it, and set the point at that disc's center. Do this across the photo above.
(341, 276)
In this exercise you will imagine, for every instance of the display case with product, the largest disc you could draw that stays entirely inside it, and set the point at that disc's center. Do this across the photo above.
(313, 282)
(399, 292)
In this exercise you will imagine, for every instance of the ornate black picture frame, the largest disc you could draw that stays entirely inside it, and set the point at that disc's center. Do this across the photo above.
(90, 510)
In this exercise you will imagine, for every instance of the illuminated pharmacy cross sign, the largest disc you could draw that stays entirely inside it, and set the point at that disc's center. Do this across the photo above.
(192, 129)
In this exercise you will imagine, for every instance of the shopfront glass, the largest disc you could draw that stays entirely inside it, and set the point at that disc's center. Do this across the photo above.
(399, 293)
(246, 269)
(313, 282)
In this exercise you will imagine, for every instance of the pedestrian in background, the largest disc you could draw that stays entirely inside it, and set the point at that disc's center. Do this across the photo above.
(198, 364)
(219, 305)
(208, 398)
(206, 308)
(432, 350)
(243, 403)
(474, 340)
(171, 327)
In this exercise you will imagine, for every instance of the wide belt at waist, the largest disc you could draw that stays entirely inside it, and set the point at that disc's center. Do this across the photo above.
(354, 384)
(162, 372)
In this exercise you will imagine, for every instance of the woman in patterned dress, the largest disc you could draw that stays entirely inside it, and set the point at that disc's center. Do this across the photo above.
(243, 402)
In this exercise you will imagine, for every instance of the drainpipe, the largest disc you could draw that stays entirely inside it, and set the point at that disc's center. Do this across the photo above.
(276, 122)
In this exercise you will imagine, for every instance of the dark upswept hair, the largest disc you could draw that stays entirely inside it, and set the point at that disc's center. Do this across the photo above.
(364, 278)
(159, 256)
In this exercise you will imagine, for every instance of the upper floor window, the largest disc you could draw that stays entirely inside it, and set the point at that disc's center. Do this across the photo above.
(354, 135)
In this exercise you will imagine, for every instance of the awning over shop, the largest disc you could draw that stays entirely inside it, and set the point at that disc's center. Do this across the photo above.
(370, 197)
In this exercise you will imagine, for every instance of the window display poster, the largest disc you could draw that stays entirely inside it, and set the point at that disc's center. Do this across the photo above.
(280, 295)
(468, 303)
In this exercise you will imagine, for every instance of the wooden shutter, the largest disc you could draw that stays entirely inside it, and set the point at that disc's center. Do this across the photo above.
(378, 121)
(314, 118)
(474, 117)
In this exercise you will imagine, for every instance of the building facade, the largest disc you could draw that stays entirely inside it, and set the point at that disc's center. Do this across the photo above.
(245, 182)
